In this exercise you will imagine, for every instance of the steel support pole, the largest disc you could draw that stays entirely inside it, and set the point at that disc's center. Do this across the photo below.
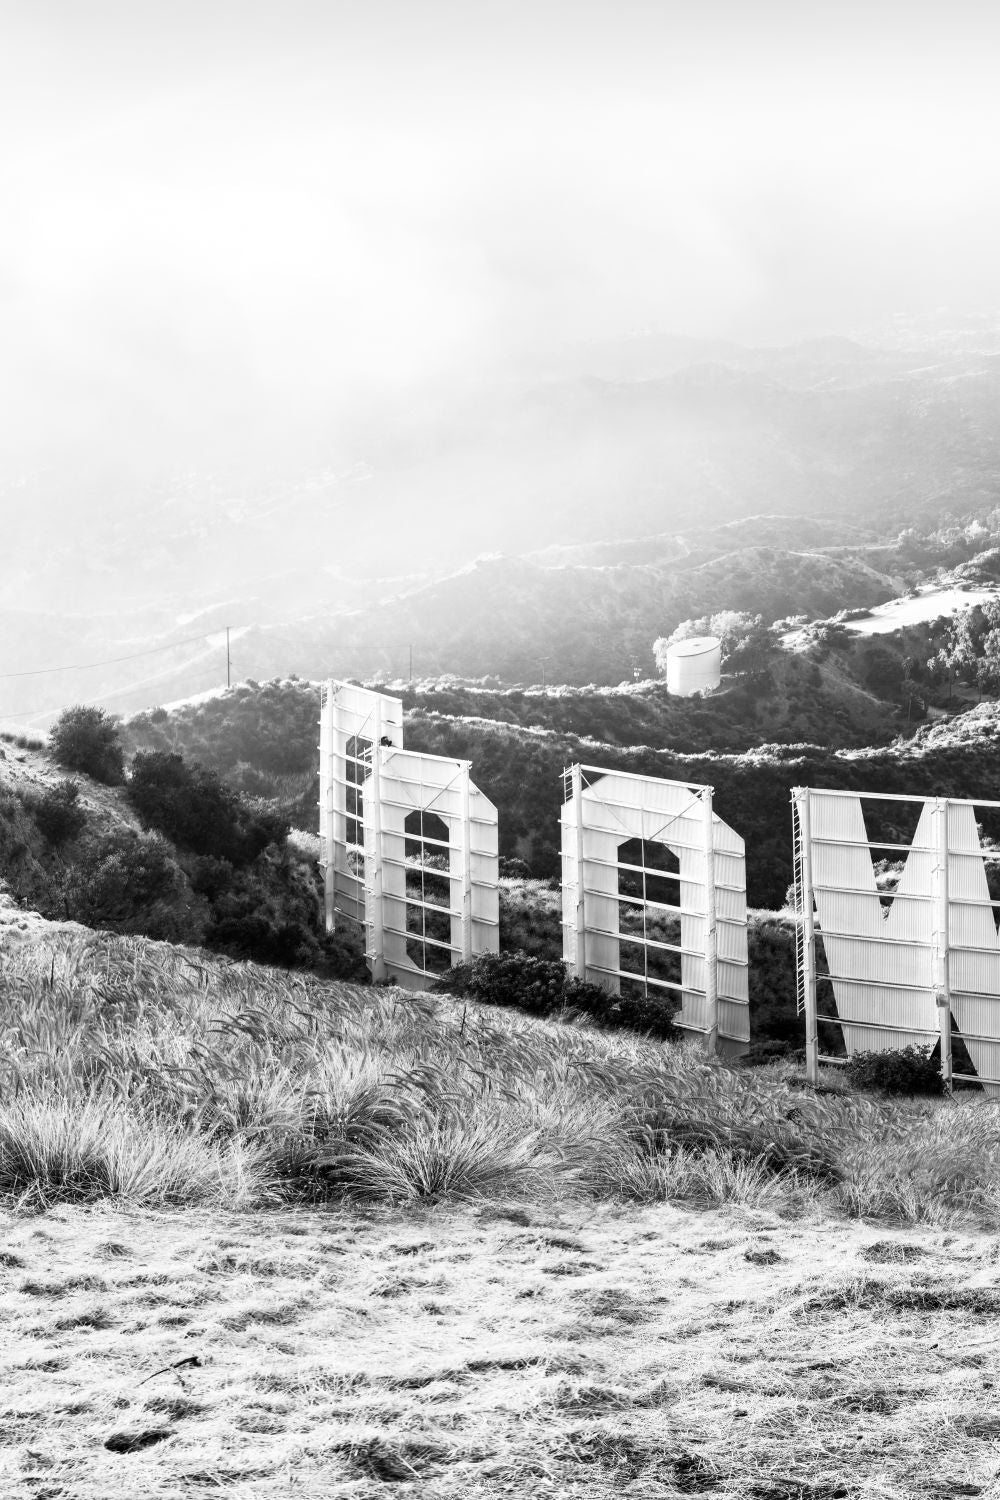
(941, 960)
(711, 928)
(806, 918)
(581, 901)
(372, 813)
(466, 791)
(326, 805)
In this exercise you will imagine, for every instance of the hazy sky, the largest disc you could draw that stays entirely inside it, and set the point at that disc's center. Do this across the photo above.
(231, 223)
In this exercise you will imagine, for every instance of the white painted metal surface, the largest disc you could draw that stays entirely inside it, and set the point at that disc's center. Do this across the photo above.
(605, 810)
(694, 665)
(900, 973)
(352, 720)
(431, 891)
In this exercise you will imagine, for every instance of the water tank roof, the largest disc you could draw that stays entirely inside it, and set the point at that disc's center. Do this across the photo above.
(695, 645)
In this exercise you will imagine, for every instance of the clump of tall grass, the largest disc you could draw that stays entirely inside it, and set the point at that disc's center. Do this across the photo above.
(155, 1074)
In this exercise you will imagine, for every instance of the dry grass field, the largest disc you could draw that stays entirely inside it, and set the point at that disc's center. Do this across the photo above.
(492, 1351)
(267, 1236)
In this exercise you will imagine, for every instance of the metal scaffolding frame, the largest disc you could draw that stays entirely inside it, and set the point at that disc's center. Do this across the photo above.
(604, 810)
(407, 912)
(352, 721)
(902, 974)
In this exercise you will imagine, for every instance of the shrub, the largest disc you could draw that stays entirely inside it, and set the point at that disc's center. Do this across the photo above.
(644, 1013)
(197, 811)
(906, 1070)
(211, 877)
(272, 912)
(540, 987)
(58, 814)
(532, 984)
(130, 882)
(257, 935)
(86, 739)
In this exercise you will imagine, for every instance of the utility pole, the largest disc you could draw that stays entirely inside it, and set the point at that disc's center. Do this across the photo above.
(411, 663)
(227, 658)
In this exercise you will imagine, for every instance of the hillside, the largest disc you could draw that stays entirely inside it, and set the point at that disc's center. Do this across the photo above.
(262, 733)
(170, 854)
(520, 769)
(106, 857)
(263, 1231)
(519, 744)
(602, 509)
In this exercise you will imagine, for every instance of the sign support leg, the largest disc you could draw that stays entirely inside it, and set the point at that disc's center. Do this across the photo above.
(711, 928)
(942, 965)
(581, 901)
(805, 917)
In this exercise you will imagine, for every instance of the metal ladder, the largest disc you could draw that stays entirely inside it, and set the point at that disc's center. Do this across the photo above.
(800, 899)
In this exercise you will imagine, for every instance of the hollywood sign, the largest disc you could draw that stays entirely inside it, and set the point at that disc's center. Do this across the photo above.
(654, 898)
(905, 965)
(408, 843)
(653, 888)
(654, 893)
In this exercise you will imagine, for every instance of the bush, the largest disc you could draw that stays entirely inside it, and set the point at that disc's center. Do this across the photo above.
(246, 926)
(86, 739)
(130, 882)
(532, 984)
(210, 877)
(644, 1013)
(197, 811)
(907, 1070)
(540, 987)
(58, 815)
(23, 741)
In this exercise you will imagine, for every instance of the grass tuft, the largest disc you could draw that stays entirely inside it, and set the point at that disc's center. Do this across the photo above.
(137, 1071)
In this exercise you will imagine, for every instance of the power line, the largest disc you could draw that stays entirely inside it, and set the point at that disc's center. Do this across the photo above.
(174, 669)
(44, 713)
(109, 661)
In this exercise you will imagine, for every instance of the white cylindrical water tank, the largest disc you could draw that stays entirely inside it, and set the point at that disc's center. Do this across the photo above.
(694, 665)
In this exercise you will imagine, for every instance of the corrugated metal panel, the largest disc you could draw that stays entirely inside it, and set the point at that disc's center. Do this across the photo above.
(886, 952)
(974, 952)
(412, 782)
(888, 965)
(615, 808)
(348, 713)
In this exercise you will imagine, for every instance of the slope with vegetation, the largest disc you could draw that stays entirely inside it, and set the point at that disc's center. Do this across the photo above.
(170, 851)
(519, 744)
(252, 1086)
(486, 1254)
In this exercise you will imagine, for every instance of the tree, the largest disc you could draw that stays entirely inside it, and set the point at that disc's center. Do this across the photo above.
(197, 811)
(58, 815)
(745, 640)
(130, 882)
(971, 648)
(86, 739)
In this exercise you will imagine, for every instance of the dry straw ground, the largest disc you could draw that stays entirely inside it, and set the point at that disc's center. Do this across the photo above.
(272, 1237)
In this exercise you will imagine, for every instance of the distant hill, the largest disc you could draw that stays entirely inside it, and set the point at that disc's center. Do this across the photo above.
(617, 458)
(521, 622)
